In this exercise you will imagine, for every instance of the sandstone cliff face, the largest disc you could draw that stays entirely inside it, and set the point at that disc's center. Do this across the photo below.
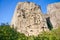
(28, 19)
(54, 14)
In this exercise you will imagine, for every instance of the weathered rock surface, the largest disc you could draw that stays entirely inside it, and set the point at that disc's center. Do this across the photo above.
(54, 14)
(28, 19)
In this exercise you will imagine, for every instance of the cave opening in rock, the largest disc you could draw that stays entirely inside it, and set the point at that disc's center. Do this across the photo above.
(49, 24)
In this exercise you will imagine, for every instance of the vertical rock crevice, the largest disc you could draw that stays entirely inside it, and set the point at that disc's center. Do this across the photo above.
(49, 24)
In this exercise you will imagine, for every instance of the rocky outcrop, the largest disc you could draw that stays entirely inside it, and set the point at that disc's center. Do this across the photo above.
(53, 10)
(28, 18)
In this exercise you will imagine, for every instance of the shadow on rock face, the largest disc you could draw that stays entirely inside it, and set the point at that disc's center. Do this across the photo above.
(49, 24)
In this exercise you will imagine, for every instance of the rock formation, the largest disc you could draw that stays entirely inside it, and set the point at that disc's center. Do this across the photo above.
(28, 18)
(53, 10)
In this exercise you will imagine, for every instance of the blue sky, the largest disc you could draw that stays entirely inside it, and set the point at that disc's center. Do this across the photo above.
(7, 8)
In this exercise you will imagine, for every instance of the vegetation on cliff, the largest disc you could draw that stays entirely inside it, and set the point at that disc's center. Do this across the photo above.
(7, 33)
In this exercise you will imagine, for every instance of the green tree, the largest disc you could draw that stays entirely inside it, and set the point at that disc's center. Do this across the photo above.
(7, 33)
